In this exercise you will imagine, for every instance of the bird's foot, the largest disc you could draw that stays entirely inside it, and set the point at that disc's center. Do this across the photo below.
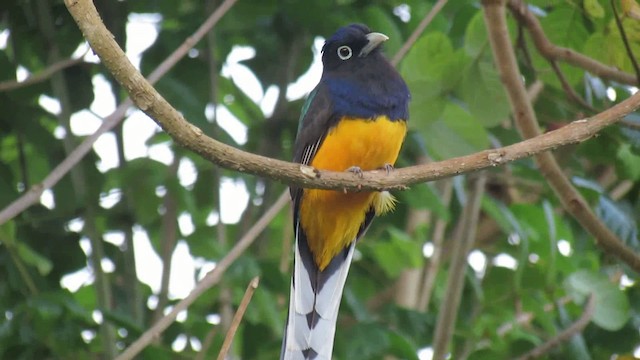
(356, 170)
(388, 168)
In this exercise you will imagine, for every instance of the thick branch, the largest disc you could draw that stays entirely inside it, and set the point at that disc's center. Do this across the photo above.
(525, 118)
(192, 138)
(553, 52)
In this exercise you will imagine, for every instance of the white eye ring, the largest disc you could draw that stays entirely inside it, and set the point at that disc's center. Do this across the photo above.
(344, 52)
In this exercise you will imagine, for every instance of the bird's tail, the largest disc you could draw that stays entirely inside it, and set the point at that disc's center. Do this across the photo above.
(314, 303)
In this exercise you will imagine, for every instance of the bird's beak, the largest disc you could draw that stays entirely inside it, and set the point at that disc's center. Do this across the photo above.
(375, 39)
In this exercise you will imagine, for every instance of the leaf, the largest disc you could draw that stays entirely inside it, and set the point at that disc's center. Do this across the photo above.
(425, 197)
(366, 341)
(401, 346)
(593, 8)
(8, 233)
(484, 93)
(630, 162)
(619, 218)
(455, 134)
(33, 258)
(429, 80)
(398, 253)
(612, 306)
(475, 36)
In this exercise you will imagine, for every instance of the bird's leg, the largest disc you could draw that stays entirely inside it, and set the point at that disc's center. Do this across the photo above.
(356, 170)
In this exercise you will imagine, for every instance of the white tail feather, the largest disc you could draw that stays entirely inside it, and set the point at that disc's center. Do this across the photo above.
(299, 337)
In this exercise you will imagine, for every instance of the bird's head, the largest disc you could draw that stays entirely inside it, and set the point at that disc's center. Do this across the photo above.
(350, 45)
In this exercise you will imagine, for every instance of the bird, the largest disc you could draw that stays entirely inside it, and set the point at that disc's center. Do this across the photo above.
(354, 120)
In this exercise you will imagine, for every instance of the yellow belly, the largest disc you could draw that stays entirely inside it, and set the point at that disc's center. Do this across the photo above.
(331, 219)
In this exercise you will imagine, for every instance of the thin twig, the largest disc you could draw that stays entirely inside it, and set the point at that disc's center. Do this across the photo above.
(525, 119)
(228, 339)
(32, 196)
(625, 41)
(42, 75)
(551, 51)
(568, 89)
(417, 32)
(526, 317)
(194, 139)
(566, 334)
(463, 242)
(211, 279)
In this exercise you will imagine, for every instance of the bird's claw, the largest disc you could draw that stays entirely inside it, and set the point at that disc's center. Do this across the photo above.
(356, 170)
(388, 168)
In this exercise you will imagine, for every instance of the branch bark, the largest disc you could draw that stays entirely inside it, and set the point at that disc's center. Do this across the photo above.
(553, 52)
(192, 138)
(32, 196)
(525, 118)
(244, 303)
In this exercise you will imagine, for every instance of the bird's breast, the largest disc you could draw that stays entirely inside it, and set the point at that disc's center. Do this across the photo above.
(331, 219)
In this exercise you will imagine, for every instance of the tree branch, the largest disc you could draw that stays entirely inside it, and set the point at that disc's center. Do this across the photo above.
(462, 244)
(568, 89)
(228, 339)
(418, 31)
(43, 75)
(525, 118)
(32, 196)
(565, 335)
(211, 279)
(192, 138)
(551, 51)
(625, 41)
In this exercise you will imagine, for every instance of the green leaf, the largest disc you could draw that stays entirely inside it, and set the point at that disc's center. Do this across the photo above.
(429, 81)
(33, 258)
(366, 341)
(455, 134)
(484, 93)
(401, 346)
(612, 305)
(593, 8)
(425, 197)
(630, 162)
(8, 233)
(475, 36)
(398, 253)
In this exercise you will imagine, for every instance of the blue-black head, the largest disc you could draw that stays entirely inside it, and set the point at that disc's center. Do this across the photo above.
(361, 81)
(349, 44)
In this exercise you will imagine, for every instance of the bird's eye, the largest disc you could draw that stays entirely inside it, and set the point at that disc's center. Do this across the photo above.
(344, 52)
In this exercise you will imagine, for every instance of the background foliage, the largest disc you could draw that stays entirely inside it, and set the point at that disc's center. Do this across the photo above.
(532, 265)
